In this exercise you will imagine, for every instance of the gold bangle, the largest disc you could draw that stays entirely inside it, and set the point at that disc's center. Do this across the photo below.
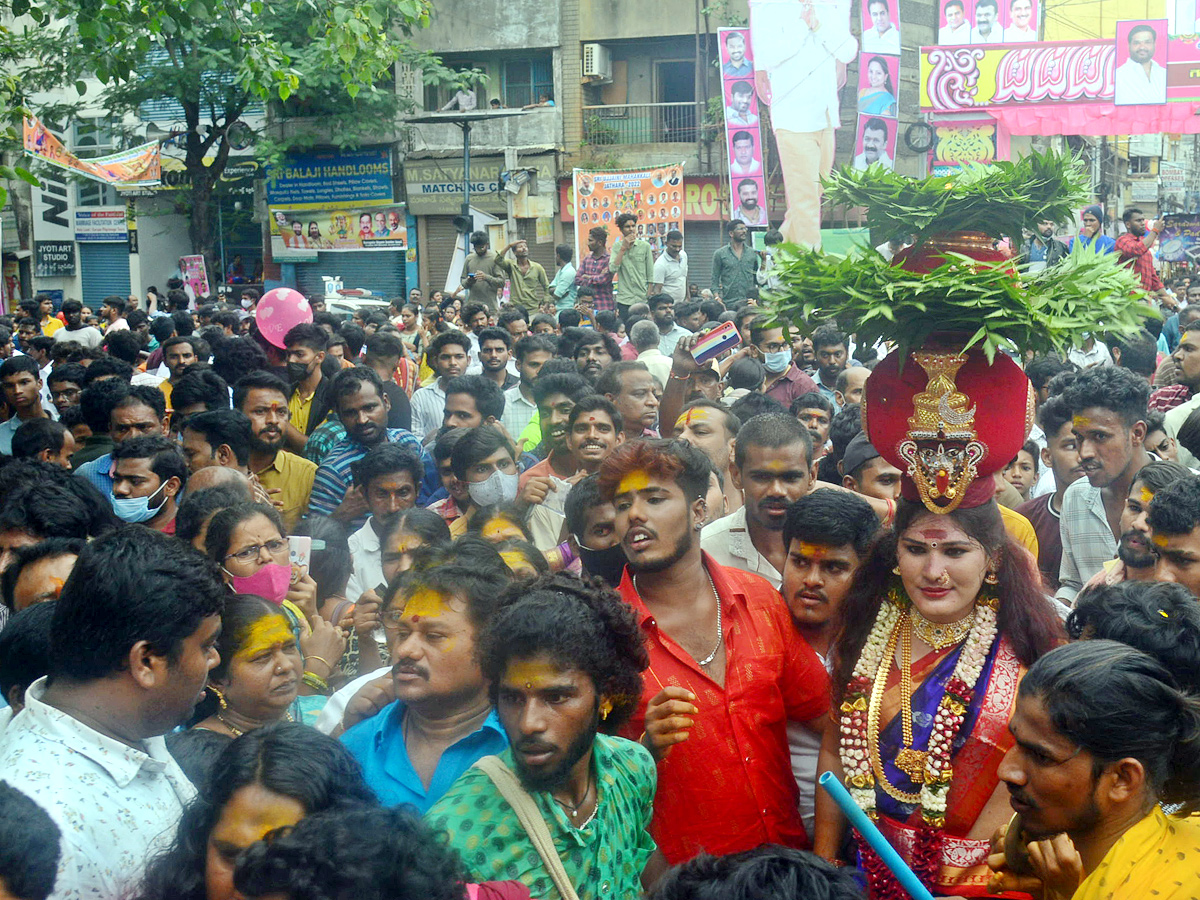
(316, 682)
(319, 659)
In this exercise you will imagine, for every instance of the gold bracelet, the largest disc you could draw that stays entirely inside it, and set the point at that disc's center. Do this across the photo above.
(319, 659)
(316, 682)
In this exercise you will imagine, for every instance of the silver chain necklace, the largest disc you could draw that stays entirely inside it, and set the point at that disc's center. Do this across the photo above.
(707, 661)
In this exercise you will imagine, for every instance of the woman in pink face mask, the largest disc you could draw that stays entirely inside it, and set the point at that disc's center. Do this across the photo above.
(247, 541)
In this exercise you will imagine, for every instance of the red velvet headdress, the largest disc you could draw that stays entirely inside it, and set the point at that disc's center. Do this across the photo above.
(948, 421)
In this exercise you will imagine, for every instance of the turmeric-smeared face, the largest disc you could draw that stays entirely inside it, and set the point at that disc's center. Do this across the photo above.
(431, 639)
(251, 813)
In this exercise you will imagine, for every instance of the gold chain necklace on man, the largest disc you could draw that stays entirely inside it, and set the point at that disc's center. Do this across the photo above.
(708, 660)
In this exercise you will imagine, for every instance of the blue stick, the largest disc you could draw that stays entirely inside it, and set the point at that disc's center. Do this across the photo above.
(872, 835)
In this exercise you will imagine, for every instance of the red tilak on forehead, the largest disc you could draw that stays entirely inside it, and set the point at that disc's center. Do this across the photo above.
(933, 534)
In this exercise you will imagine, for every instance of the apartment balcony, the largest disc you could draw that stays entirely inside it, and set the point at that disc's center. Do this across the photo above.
(641, 123)
(539, 128)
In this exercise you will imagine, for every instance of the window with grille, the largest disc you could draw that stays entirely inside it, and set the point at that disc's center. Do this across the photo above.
(526, 79)
(92, 137)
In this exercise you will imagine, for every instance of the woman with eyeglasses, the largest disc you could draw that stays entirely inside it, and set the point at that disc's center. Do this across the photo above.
(247, 541)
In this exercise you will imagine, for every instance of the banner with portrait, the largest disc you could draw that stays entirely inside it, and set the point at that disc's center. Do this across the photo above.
(743, 134)
(975, 22)
(299, 231)
(875, 143)
(655, 195)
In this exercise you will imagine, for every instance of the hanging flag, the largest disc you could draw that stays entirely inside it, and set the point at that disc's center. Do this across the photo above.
(137, 167)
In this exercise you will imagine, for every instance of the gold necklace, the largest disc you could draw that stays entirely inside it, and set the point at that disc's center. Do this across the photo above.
(939, 635)
(908, 760)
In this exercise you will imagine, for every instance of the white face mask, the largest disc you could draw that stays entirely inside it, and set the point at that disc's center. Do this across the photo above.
(246, 303)
(499, 487)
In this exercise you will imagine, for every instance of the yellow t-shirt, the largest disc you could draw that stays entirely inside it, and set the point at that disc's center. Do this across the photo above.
(293, 475)
(300, 409)
(50, 326)
(1158, 857)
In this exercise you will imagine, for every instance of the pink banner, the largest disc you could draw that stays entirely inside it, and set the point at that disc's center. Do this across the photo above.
(743, 134)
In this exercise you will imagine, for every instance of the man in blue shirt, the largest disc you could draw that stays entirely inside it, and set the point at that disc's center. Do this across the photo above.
(142, 412)
(357, 397)
(442, 719)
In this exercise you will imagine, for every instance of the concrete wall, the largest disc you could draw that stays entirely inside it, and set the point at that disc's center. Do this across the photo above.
(540, 127)
(162, 239)
(464, 27)
(612, 20)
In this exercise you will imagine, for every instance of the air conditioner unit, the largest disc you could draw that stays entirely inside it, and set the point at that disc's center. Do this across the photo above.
(597, 63)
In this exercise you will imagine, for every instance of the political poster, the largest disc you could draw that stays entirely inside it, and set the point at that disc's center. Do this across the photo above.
(655, 195)
(880, 27)
(300, 231)
(137, 167)
(743, 135)
(979, 22)
(195, 274)
(875, 143)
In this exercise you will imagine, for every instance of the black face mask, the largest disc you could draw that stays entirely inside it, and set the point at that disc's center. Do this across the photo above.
(607, 564)
(297, 372)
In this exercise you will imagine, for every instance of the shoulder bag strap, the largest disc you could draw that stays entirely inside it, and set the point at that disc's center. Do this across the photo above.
(531, 820)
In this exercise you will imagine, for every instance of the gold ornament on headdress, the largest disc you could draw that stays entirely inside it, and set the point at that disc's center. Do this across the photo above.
(943, 414)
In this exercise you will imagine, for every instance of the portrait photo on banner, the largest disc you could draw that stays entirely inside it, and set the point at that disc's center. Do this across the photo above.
(745, 154)
(954, 21)
(751, 202)
(1020, 21)
(736, 58)
(875, 142)
(741, 103)
(1141, 63)
(878, 76)
(880, 27)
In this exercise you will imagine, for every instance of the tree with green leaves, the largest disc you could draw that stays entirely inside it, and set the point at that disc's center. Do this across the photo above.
(330, 59)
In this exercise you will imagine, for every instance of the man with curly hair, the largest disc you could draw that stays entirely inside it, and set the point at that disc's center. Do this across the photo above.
(564, 661)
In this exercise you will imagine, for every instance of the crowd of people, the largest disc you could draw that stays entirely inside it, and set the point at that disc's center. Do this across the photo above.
(465, 599)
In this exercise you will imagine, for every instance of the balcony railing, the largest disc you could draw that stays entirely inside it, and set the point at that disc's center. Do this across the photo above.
(641, 123)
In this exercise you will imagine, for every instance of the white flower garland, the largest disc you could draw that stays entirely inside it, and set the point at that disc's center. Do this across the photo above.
(951, 712)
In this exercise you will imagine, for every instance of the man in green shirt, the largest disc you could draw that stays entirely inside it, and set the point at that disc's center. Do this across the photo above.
(528, 286)
(734, 265)
(559, 675)
(633, 263)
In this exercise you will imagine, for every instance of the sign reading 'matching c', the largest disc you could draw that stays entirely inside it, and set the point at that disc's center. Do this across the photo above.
(361, 177)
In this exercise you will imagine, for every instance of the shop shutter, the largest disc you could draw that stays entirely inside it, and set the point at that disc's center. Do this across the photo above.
(701, 240)
(379, 271)
(104, 267)
(438, 251)
(539, 253)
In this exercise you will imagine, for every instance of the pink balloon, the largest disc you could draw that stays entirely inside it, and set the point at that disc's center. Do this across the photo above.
(279, 311)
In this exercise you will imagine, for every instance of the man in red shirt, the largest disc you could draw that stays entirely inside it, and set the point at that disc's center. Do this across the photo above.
(1134, 247)
(727, 669)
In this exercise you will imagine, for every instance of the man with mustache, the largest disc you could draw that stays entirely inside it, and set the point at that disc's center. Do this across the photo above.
(1061, 457)
(286, 477)
(563, 661)
(711, 428)
(1137, 557)
(773, 467)
(827, 535)
(416, 729)
(555, 396)
(357, 398)
(1108, 411)
(1104, 738)
(727, 669)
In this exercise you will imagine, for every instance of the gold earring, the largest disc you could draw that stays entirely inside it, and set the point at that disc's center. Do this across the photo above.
(606, 707)
(991, 577)
(896, 570)
(220, 697)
